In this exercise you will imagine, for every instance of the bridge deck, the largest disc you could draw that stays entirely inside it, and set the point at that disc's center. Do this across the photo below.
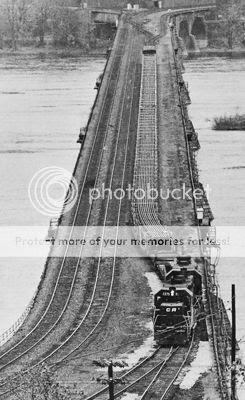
(135, 135)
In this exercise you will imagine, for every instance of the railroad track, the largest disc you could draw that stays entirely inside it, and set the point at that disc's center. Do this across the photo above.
(146, 377)
(105, 274)
(145, 211)
(43, 325)
(104, 286)
(208, 302)
(165, 388)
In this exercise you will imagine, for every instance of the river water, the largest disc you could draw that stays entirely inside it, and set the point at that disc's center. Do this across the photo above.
(217, 87)
(44, 102)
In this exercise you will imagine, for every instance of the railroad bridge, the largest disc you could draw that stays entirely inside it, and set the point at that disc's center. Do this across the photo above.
(97, 306)
(191, 26)
(193, 30)
(104, 16)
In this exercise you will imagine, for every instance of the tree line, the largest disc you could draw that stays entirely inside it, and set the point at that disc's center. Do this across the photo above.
(230, 32)
(24, 22)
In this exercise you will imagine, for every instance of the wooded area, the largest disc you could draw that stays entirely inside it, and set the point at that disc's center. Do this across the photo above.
(35, 22)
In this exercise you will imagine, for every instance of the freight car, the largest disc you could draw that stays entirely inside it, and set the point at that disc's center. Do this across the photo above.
(149, 50)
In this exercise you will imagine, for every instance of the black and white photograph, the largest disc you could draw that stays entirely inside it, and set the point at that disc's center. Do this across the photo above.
(122, 199)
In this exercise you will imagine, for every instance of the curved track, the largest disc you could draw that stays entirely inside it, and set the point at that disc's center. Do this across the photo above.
(29, 342)
(100, 288)
(103, 284)
(145, 378)
(209, 308)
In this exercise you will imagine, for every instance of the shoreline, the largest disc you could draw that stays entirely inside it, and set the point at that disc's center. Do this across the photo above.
(101, 53)
(208, 52)
(53, 52)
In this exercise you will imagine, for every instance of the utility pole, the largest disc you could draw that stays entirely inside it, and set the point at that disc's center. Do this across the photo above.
(233, 343)
(111, 381)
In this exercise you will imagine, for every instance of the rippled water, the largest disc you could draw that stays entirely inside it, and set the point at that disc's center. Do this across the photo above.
(217, 87)
(43, 104)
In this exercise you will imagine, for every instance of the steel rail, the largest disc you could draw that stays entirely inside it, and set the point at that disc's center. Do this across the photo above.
(170, 385)
(133, 369)
(223, 388)
(73, 226)
(103, 232)
(162, 365)
(114, 258)
(159, 365)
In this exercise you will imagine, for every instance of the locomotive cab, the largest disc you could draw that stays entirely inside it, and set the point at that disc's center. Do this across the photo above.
(173, 318)
(184, 261)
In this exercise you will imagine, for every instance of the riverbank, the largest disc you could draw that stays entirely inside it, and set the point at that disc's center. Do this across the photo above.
(44, 102)
(43, 52)
(49, 51)
(212, 52)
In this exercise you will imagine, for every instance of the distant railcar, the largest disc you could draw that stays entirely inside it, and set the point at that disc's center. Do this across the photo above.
(149, 50)
(82, 136)
(98, 82)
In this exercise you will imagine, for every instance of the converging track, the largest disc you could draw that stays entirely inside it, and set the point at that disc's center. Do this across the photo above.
(156, 374)
(34, 337)
(123, 142)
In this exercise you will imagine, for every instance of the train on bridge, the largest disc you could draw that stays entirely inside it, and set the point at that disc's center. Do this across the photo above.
(177, 305)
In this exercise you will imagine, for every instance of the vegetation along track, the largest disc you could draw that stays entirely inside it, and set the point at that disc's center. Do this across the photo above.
(56, 306)
(207, 298)
(46, 324)
(153, 377)
(103, 288)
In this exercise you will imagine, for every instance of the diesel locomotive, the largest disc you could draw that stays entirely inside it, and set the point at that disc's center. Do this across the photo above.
(177, 304)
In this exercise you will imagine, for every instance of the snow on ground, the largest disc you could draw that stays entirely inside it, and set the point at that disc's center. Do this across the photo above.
(130, 396)
(143, 351)
(201, 364)
(149, 345)
(153, 281)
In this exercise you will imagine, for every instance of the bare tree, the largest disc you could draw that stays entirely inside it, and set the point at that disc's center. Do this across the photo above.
(12, 20)
(65, 24)
(16, 13)
(233, 23)
(41, 11)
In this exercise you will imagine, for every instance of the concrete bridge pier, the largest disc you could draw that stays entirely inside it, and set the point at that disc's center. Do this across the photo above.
(199, 30)
(192, 31)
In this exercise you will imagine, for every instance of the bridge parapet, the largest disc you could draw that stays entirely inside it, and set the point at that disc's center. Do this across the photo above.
(164, 4)
(173, 4)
